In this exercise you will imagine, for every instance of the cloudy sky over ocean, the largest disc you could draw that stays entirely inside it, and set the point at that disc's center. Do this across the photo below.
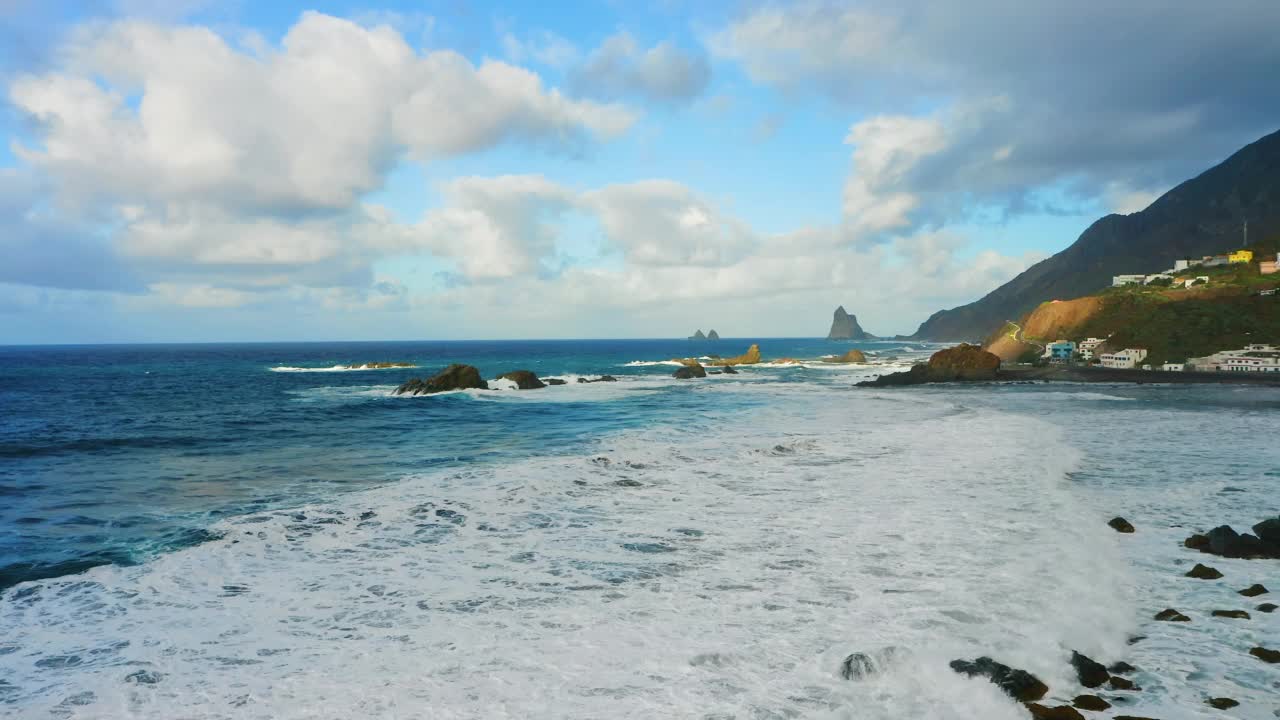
(193, 171)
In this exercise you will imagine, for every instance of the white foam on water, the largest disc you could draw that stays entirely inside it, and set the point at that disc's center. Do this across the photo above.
(720, 569)
(335, 368)
(652, 363)
(503, 384)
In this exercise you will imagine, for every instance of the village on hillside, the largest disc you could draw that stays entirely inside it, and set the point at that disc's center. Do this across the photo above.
(1253, 357)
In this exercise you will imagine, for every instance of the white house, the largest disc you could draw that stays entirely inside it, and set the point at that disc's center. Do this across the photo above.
(1257, 357)
(1086, 347)
(1126, 359)
(1118, 280)
(1173, 367)
(1180, 265)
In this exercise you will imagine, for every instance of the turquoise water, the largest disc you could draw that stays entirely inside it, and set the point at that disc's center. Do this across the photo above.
(271, 538)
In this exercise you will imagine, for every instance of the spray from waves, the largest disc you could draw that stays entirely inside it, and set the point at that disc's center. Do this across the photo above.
(342, 368)
(726, 570)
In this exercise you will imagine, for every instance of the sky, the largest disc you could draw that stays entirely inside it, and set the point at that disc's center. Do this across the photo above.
(196, 171)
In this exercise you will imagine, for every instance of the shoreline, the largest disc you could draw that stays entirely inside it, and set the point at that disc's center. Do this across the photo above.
(1108, 375)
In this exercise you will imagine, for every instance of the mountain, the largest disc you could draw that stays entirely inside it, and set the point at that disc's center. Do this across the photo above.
(1202, 216)
(845, 327)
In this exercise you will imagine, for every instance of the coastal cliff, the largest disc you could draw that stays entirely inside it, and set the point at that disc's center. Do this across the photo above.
(1201, 216)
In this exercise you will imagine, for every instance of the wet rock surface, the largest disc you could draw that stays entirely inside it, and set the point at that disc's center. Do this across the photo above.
(689, 372)
(1254, 590)
(1061, 712)
(861, 665)
(454, 377)
(1221, 703)
(1090, 702)
(1171, 615)
(1089, 672)
(1235, 614)
(1018, 684)
(1120, 525)
(1204, 572)
(524, 379)
(1265, 654)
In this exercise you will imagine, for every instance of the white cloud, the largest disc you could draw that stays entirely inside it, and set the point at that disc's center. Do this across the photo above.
(316, 123)
(621, 68)
(887, 149)
(663, 223)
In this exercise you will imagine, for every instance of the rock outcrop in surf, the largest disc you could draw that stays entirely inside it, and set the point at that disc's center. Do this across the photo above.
(713, 335)
(454, 377)
(688, 371)
(524, 379)
(698, 335)
(963, 362)
(853, 356)
(750, 357)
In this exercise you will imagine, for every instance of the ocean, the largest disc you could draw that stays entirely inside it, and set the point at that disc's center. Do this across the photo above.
(253, 531)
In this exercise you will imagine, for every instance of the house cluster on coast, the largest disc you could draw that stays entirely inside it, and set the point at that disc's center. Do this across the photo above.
(1258, 357)
(1179, 275)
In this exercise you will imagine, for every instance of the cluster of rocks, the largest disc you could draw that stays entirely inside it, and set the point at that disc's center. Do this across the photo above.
(695, 369)
(963, 362)
(467, 377)
(1226, 542)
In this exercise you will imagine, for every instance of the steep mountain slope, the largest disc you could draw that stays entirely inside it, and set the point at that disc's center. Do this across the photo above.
(1201, 216)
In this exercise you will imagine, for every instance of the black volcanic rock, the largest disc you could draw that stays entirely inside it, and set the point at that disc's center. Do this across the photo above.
(454, 377)
(1018, 684)
(688, 372)
(845, 327)
(1202, 216)
(1091, 673)
(524, 379)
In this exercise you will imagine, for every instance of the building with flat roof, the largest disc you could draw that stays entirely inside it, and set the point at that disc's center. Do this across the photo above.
(1126, 359)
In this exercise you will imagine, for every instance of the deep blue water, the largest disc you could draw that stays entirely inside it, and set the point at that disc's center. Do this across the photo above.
(109, 454)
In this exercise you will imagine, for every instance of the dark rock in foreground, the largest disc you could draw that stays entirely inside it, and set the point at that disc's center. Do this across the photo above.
(454, 377)
(1234, 614)
(1203, 572)
(1018, 684)
(1267, 607)
(1226, 542)
(602, 378)
(1121, 668)
(524, 379)
(1221, 703)
(687, 372)
(553, 381)
(728, 370)
(1271, 656)
(1091, 702)
(1090, 672)
(1254, 590)
(960, 363)
(1171, 615)
(1061, 712)
(1121, 525)
(1119, 683)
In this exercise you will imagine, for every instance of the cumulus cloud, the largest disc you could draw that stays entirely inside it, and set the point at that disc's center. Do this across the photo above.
(147, 112)
(660, 222)
(1031, 94)
(621, 68)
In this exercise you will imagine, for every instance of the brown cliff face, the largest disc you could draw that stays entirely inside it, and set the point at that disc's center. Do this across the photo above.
(963, 362)
(750, 357)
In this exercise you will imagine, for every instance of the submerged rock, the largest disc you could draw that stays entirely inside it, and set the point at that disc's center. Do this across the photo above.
(1090, 672)
(690, 371)
(1171, 615)
(602, 378)
(1203, 572)
(1018, 684)
(1234, 614)
(1221, 703)
(1266, 607)
(1120, 525)
(1226, 542)
(1197, 542)
(728, 370)
(1269, 530)
(524, 379)
(1091, 702)
(1122, 668)
(144, 677)
(1254, 590)
(1061, 712)
(860, 665)
(553, 381)
(1119, 683)
(454, 377)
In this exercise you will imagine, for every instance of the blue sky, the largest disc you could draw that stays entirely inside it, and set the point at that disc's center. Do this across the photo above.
(205, 171)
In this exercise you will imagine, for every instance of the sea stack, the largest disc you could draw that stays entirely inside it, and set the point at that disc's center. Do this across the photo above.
(698, 336)
(845, 327)
(713, 335)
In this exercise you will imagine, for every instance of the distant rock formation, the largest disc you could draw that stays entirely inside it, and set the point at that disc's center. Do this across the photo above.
(454, 377)
(845, 327)
(713, 335)
(698, 335)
